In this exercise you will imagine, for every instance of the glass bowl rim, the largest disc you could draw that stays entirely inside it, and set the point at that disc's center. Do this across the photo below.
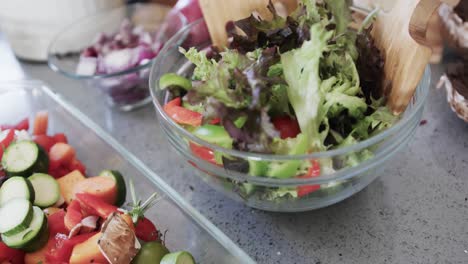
(57, 68)
(423, 85)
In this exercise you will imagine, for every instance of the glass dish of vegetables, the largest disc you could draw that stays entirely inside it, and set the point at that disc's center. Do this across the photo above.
(291, 115)
(69, 193)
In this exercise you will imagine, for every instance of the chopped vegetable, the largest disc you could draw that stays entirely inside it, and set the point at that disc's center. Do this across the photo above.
(102, 187)
(180, 257)
(62, 251)
(73, 216)
(46, 189)
(10, 255)
(41, 122)
(67, 184)
(182, 115)
(88, 251)
(151, 252)
(94, 205)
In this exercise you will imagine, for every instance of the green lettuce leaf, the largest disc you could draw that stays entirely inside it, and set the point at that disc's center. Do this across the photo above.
(341, 14)
(375, 123)
(215, 78)
(301, 72)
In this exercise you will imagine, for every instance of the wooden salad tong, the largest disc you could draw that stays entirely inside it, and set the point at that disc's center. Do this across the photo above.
(400, 31)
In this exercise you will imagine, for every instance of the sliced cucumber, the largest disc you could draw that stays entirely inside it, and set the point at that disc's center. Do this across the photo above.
(120, 181)
(23, 158)
(34, 237)
(46, 188)
(16, 187)
(15, 216)
(174, 80)
(180, 257)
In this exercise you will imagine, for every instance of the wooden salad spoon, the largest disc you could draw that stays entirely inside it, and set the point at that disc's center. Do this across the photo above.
(401, 33)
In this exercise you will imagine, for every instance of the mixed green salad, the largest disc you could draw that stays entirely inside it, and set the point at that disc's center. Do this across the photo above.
(291, 85)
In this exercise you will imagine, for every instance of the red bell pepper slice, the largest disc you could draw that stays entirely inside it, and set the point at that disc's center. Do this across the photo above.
(203, 153)
(60, 137)
(215, 121)
(6, 137)
(73, 215)
(182, 115)
(314, 171)
(56, 223)
(44, 141)
(9, 255)
(95, 206)
(21, 125)
(288, 127)
(63, 249)
(146, 230)
(75, 164)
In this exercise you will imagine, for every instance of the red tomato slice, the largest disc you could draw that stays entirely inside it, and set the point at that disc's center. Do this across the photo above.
(44, 141)
(314, 171)
(56, 223)
(95, 206)
(63, 249)
(288, 128)
(21, 125)
(6, 137)
(9, 255)
(215, 121)
(203, 153)
(146, 231)
(60, 137)
(75, 164)
(41, 123)
(182, 115)
(62, 153)
(73, 215)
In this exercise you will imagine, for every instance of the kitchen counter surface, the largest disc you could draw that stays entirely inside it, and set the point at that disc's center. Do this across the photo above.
(416, 213)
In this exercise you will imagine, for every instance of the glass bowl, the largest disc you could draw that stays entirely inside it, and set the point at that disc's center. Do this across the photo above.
(126, 89)
(289, 194)
(187, 229)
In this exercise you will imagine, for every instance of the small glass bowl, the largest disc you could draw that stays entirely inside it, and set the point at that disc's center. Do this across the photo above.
(127, 89)
(271, 194)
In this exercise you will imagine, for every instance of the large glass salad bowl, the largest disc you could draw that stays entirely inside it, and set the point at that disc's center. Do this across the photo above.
(247, 176)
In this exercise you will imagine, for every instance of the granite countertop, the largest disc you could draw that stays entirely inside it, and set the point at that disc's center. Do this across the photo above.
(417, 212)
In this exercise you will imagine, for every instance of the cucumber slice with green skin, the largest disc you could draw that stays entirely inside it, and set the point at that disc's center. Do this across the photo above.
(15, 216)
(120, 181)
(16, 187)
(23, 158)
(34, 237)
(46, 189)
(174, 80)
(180, 257)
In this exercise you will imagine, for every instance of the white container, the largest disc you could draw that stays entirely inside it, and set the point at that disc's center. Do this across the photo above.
(30, 25)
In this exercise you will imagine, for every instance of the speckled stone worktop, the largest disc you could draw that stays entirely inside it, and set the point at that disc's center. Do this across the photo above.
(416, 213)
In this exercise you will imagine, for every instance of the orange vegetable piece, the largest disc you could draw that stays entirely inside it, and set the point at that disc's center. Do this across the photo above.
(88, 252)
(104, 188)
(61, 153)
(41, 123)
(67, 184)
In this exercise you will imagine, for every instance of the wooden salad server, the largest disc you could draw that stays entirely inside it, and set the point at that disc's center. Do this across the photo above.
(400, 31)
(401, 34)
